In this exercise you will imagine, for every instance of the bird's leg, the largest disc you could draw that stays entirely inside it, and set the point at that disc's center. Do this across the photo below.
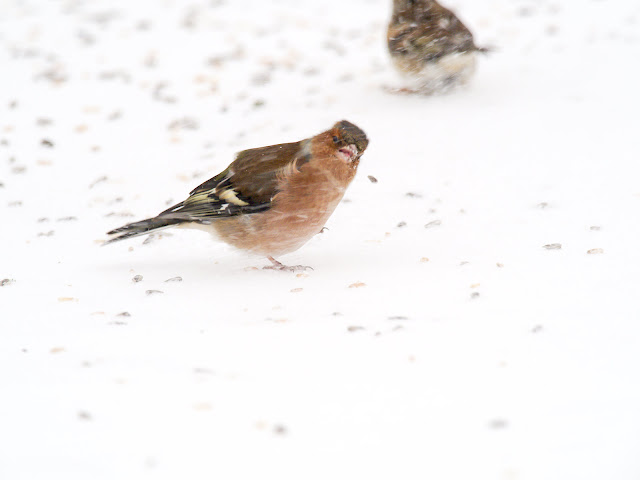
(279, 266)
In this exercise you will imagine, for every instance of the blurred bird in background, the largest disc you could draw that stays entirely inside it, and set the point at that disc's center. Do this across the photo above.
(430, 46)
(270, 200)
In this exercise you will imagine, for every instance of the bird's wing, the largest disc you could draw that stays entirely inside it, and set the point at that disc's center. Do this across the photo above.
(247, 186)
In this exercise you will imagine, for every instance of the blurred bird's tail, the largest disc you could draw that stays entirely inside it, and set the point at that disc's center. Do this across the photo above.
(143, 227)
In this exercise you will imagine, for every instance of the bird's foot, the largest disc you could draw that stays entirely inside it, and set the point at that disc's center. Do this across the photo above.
(285, 268)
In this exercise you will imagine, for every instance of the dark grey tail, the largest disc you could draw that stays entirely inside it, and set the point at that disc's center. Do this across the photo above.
(143, 227)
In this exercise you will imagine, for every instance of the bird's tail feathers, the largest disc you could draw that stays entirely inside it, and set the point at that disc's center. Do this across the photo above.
(144, 226)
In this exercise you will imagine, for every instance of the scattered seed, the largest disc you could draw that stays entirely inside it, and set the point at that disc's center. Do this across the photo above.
(184, 123)
(67, 219)
(498, 424)
(413, 195)
(424, 260)
(260, 79)
(97, 181)
(57, 350)
(475, 295)
(173, 279)
(50, 233)
(203, 371)
(357, 285)
(434, 223)
(84, 415)
(7, 281)
(553, 246)
(542, 205)
(123, 314)
(354, 328)
(296, 290)
(536, 329)
(595, 251)
(279, 429)
(67, 299)
(46, 143)
(137, 278)
(159, 95)
(119, 214)
(153, 292)
(595, 228)
(397, 317)
(372, 179)
(401, 224)
(499, 265)
(149, 239)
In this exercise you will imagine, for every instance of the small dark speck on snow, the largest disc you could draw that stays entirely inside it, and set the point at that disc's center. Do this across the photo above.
(46, 143)
(84, 415)
(137, 278)
(372, 179)
(279, 429)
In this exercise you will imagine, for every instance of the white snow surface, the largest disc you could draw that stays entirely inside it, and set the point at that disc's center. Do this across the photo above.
(436, 337)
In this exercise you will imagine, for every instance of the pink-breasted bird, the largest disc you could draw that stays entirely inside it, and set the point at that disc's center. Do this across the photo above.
(270, 200)
(430, 47)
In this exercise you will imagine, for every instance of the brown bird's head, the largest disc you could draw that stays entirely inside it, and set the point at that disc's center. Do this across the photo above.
(349, 141)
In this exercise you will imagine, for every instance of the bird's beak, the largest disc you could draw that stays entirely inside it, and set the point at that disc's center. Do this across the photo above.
(348, 154)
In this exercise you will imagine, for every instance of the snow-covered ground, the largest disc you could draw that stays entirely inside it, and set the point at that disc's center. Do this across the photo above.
(436, 337)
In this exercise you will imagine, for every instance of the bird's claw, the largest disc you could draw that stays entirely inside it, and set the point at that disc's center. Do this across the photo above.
(288, 268)
(285, 268)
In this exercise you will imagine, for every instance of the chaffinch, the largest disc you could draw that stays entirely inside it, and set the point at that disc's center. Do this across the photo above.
(430, 46)
(269, 200)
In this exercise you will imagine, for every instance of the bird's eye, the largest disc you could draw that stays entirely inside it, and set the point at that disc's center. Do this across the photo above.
(335, 139)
